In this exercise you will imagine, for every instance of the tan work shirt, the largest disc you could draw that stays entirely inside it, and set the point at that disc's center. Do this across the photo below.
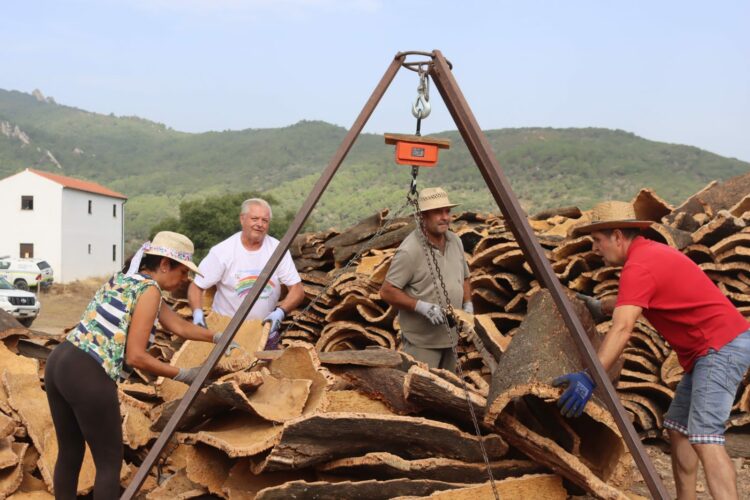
(410, 272)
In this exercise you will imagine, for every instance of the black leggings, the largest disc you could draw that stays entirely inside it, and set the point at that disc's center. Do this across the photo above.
(84, 405)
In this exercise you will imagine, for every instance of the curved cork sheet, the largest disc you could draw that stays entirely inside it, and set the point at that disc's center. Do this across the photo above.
(194, 353)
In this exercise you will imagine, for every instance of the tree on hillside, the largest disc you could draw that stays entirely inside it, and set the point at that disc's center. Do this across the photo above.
(213, 219)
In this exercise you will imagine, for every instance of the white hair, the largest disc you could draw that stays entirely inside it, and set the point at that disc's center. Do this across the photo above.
(256, 201)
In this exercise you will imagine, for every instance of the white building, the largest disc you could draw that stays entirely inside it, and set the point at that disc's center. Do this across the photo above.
(76, 226)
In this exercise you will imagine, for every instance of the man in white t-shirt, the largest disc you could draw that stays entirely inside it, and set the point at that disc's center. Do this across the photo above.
(235, 264)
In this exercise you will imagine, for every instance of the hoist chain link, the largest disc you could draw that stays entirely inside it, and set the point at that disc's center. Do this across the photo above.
(445, 304)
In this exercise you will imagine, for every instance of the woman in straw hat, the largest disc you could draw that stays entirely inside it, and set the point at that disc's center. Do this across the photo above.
(112, 337)
(709, 335)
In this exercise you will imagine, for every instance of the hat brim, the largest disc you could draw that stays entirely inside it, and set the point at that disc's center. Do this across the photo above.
(449, 205)
(187, 263)
(613, 224)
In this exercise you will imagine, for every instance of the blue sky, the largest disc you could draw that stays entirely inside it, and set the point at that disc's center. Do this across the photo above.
(673, 71)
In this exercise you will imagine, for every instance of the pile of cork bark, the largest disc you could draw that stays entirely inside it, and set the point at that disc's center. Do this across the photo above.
(341, 413)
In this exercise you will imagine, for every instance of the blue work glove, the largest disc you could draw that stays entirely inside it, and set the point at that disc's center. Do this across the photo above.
(432, 312)
(231, 347)
(198, 318)
(579, 391)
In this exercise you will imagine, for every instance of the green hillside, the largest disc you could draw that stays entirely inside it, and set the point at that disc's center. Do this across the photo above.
(157, 167)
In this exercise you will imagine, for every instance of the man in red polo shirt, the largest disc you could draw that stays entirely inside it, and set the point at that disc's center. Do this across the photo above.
(709, 335)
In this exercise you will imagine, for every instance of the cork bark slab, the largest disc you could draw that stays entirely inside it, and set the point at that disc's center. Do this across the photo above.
(12, 476)
(542, 349)
(13, 363)
(306, 441)
(382, 384)
(650, 206)
(176, 487)
(384, 466)
(372, 490)
(207, 467)
(8, 457)
(241, 484)
(300, 361)
(355, 402)
(530, 487)
(427, 390)
(7, 425)
(194, 353)
(136, 426)
(547, 452)
(237, 434)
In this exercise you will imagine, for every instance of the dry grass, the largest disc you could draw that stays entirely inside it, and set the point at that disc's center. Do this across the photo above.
(63, 304)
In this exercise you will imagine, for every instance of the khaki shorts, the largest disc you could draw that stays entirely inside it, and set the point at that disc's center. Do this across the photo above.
(435, 358)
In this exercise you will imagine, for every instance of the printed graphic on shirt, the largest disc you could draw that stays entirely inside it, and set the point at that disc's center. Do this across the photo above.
(245, 279)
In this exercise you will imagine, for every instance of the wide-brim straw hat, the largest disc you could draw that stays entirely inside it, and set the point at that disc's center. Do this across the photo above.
(175, 246)
(612, 215)
(432, 198)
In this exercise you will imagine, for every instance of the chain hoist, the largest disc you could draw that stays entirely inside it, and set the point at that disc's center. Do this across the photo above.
(421, 109)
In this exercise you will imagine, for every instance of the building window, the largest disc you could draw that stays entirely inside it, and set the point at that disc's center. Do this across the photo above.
(89, 206)
(114, 253)
(27, 203)
(114, 210)
(27, 251)
(89, 248)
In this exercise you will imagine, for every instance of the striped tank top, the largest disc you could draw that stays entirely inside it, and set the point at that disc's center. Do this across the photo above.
(103, 329)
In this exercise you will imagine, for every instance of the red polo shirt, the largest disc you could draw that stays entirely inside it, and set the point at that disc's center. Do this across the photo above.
(678, 299)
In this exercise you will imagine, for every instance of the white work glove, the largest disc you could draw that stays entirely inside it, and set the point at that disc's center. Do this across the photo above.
(275, 318)
(231, 347)
(468, 307)
(432, 312)
(198, 318)
(594, 306)
(187, 375)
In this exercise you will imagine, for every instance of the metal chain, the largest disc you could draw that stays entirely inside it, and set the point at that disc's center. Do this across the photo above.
(437, 278)
(412, 198)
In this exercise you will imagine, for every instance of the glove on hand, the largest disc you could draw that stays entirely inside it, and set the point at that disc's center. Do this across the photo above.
(187, 375)
(275, 318)
(432, 312)
(231, 347)
(468, 307)
(594, 306)
(574, 399)
(198, 318)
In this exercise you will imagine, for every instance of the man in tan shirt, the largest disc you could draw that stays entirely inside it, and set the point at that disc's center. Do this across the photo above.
(410, 288)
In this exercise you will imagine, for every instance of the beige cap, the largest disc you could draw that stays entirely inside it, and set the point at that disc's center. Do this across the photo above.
(176, 246)
(612, 215)
(432, 198)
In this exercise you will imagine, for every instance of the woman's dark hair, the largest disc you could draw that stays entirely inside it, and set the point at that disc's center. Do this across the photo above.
(150, 262)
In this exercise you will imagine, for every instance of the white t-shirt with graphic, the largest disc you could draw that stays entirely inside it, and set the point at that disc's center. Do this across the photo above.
(234, 270)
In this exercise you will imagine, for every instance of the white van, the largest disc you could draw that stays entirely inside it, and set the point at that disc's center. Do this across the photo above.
(26, 273)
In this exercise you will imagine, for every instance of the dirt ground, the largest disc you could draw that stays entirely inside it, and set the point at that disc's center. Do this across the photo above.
(62, 306)
(663, 464)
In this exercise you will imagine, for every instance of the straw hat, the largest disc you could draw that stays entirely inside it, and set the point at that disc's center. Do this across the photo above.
(612, 215)
(175, 246)
(432, 198)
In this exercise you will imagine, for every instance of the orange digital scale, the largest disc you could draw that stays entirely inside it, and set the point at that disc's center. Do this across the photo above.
(416, 150)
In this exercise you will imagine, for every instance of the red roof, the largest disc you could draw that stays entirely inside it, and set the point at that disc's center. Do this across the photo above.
(79, 185)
